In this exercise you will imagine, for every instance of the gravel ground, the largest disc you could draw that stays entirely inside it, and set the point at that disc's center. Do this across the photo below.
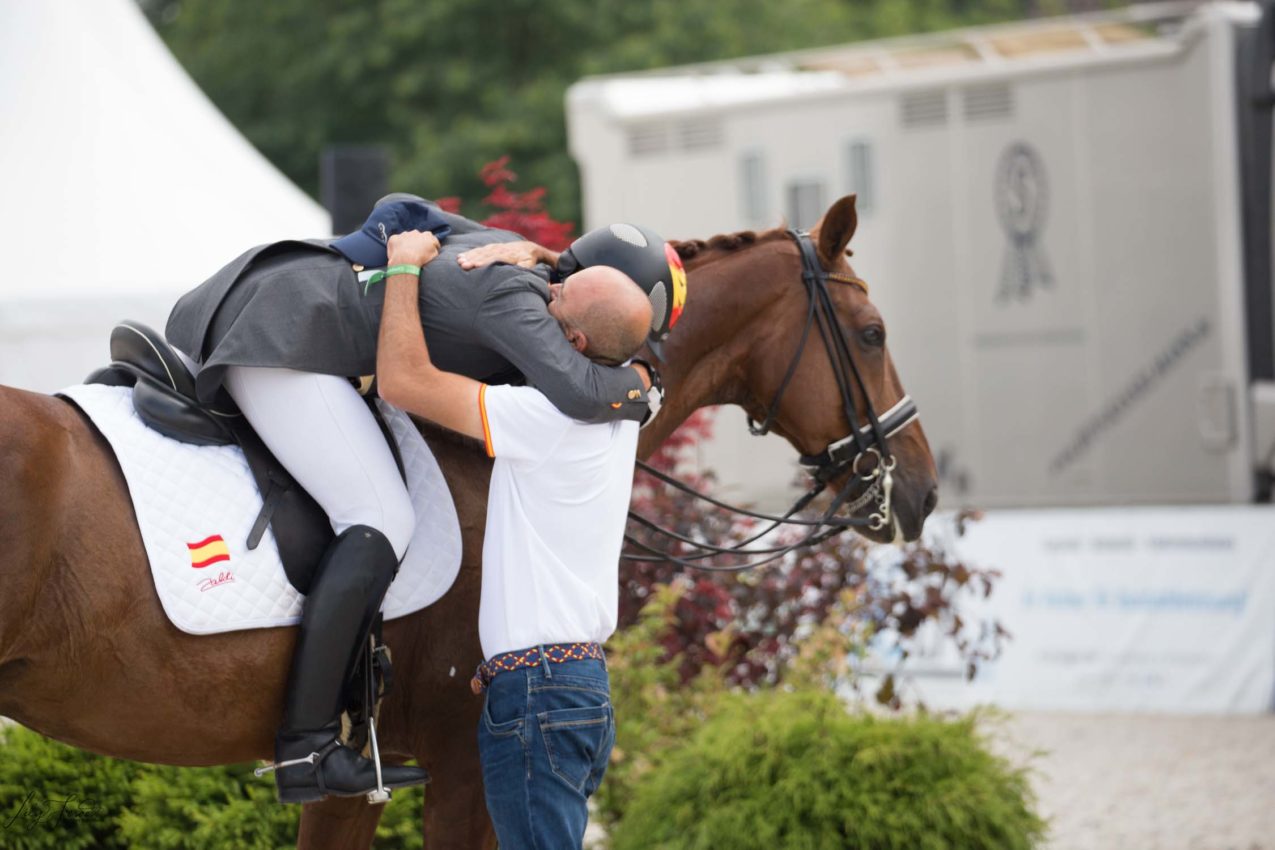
(1148, 782)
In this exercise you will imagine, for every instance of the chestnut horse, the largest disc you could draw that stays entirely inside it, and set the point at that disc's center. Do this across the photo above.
(88, 657)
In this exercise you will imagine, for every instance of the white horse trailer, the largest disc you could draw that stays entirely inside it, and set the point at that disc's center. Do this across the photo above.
(1066, 223)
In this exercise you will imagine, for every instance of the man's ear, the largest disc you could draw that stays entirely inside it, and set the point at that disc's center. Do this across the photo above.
(578, 340)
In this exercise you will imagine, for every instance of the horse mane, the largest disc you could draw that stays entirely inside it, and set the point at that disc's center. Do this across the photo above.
(692, 248)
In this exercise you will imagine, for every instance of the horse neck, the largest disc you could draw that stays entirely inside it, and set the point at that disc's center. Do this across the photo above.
(705, 357)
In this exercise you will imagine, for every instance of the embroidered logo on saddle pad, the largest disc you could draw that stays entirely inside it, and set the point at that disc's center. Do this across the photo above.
(209, 551)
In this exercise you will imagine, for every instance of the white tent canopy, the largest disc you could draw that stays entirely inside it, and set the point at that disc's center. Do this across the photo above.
(122, 185)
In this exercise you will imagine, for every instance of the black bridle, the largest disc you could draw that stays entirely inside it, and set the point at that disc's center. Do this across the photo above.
(864, 442)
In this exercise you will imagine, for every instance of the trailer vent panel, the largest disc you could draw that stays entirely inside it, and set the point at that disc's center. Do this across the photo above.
(988, 103)
(700, 135)
(924, 109)
(648, 139)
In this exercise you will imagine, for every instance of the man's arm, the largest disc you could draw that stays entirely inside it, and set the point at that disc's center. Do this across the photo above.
(527, 254)
(514, 323)
(405, 376)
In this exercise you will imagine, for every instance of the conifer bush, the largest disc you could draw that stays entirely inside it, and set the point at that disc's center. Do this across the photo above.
(779, 770)
(55, 797)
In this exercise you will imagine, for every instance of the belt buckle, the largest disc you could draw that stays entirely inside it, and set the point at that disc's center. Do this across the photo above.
(481, 679)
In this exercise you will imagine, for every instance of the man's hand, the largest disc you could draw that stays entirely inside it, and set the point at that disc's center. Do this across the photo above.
(524, 254)
(412, 247)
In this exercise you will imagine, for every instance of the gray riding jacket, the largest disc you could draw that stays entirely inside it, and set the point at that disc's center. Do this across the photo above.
(299, 305)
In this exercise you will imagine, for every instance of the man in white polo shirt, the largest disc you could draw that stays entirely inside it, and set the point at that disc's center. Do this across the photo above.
(557, 506)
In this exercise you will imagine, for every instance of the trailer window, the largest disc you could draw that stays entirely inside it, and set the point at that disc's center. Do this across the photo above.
(805, 203)
(752, 194)
(859, 174)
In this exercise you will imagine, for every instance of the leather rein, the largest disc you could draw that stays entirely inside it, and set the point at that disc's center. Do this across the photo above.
(851, 453)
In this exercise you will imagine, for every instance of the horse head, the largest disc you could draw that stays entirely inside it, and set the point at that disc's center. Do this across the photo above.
(750, 336)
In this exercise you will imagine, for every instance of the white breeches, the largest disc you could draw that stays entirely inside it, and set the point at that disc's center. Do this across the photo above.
(320, 429)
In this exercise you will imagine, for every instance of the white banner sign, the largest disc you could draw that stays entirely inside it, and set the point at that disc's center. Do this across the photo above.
(1126, 609)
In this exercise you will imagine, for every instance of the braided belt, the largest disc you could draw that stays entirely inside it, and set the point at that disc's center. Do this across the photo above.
(554, 653)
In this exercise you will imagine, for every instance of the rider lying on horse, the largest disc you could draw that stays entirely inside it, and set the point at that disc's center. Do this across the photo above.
(284, 326)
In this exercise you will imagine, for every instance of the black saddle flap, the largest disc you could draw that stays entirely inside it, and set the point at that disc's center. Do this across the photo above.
(176, 417)
(301, 528)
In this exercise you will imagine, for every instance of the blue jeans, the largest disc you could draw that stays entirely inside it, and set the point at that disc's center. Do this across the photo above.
(545, 737)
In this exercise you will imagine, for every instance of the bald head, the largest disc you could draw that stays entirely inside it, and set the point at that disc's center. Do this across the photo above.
(604, 313)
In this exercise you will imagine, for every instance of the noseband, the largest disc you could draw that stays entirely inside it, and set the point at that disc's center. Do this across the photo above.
(863, 453)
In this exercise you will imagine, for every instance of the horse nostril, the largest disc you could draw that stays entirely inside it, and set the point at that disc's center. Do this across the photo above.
(931, 501)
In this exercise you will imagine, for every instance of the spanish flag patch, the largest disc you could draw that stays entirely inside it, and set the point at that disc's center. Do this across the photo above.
(208, 551)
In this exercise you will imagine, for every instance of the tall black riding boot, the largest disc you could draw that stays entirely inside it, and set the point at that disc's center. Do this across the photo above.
(310, 760)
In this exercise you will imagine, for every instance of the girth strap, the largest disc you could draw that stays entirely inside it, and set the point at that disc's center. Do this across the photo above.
(275, 491)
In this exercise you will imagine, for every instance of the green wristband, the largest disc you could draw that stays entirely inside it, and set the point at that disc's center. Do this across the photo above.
(412, 270)
(379, 276)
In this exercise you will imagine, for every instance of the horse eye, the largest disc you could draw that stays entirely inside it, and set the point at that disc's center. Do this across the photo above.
(873, 336)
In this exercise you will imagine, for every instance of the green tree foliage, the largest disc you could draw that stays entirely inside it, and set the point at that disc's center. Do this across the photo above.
(450, 86)
(60, 798)
(777, 770)
(656, 711)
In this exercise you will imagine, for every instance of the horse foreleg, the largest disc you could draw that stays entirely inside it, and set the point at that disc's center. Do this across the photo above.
(446, 745)
(455, 811)
(340, 822)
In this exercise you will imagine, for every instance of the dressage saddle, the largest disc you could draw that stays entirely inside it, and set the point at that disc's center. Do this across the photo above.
(164, 398)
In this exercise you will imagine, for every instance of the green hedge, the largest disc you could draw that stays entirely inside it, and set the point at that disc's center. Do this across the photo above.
(122, 804)
(796, 771)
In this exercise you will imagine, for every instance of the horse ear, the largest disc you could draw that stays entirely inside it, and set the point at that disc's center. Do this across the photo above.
(836, 228)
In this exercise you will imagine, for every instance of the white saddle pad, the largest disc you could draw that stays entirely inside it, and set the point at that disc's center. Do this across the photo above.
(196, 505)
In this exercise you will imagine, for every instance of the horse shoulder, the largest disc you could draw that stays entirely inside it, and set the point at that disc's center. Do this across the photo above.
(467, 470)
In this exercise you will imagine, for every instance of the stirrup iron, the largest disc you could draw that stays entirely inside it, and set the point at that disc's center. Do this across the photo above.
(380, 795)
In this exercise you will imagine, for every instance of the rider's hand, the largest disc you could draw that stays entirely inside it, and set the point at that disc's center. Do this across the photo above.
(412, 247)
(524, 254)
(644, 373)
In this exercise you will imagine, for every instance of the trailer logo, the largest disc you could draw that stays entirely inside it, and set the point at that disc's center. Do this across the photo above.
(1022, 192)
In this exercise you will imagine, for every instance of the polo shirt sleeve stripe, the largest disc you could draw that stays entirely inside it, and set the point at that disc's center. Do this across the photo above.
(482, 411)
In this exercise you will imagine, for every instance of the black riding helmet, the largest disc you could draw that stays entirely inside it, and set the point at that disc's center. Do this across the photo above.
(642, 255)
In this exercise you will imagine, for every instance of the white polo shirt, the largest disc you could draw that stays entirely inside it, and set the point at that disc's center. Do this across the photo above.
(556, 511)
